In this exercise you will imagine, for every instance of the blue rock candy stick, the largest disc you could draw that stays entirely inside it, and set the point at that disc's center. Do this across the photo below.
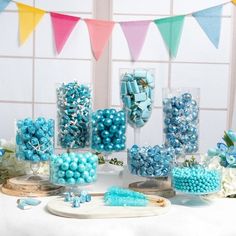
(123, 88)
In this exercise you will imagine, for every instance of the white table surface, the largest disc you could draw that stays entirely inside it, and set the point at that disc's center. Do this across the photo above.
(187, 216)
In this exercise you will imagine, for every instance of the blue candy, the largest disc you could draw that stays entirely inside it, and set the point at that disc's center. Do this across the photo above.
(108, 130)
(181, 123)
(74, 110)
(150, 161)
(73, 168)
(33, 142)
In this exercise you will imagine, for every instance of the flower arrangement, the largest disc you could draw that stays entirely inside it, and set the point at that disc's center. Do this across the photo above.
(10, 166)
(225, 151)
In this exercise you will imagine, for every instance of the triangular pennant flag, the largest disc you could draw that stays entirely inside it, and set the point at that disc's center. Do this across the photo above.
(4, 4)
(29, 17)
(171, 30)
(234, 2)
(99, 32)
(135, 33)
(210, 22)
(62, 28)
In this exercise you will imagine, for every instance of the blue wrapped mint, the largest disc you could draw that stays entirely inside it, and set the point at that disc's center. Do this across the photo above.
(74, 111)
(108, 130)
(181, 119)
(150, 161)
(137, 94)
(35, 139)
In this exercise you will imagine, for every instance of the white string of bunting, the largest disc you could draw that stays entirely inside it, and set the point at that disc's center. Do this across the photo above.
(170, 28)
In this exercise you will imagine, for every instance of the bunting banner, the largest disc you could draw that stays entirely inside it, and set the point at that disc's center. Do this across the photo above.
(4, 4)
(99, 32)
(29, 17)
(135, 34)
(171, 30)
(210, 22)
(63, 25)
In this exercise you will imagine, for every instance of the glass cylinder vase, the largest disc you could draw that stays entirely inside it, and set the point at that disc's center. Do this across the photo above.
(74, 106)
(181, 119)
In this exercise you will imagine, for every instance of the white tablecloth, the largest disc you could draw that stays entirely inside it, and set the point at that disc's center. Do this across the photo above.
(188, 216)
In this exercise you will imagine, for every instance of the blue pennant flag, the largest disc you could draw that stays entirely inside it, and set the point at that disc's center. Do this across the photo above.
(3, 4)
(210, 21)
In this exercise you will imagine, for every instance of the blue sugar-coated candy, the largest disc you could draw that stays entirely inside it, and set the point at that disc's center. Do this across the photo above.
(109, 131)
(140, 96)
(75, 168)
(181, 123)
(74, 110)
(34, 144)
(76, 202)
(150, 161)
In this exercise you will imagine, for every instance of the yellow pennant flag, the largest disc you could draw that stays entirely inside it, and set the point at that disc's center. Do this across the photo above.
(29, 17)
(234, 2)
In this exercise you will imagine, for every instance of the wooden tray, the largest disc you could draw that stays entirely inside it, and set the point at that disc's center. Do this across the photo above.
(97, 210)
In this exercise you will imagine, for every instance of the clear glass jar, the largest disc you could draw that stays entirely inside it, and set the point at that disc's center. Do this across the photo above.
(150, 161)
(71, 169)
(195, 178)
(35, 139)
(74, 107)
(137, 87)
(181, 119)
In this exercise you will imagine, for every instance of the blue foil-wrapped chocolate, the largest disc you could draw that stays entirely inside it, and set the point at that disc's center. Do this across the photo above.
(108, 130)
(150, 161)
(181, 120)
(74, 111)
(35, 139)
(137, 94)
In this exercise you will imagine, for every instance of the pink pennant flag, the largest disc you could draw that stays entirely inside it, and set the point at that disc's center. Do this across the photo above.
(62, 28)
(100, 32)
(135, 33)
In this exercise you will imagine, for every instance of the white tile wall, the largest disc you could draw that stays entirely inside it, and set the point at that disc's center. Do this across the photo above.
(11, 112)
(48, 73)
(16, 79)
(9, 43)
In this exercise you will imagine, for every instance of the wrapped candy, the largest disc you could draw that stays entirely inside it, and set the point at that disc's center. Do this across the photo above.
(73, 168)
(137, 94)
(181, 119)
(150, 161)
(35, 139)
(74, 111)
(108, 130)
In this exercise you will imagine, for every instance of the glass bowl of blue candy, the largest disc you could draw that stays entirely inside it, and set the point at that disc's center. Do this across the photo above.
(151, 162)
(137, 88)
(181, 119)
(74, 108)
(71, 169)
(191, 177)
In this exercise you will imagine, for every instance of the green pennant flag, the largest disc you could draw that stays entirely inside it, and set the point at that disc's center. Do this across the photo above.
(171, 30)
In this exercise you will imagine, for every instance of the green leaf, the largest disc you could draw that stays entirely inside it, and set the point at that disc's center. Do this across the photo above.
(227, 140)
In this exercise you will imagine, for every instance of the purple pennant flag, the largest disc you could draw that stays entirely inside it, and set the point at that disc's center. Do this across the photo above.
(135, 33)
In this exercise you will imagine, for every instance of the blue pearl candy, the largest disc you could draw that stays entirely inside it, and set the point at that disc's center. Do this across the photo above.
(74, 110)
(34, 139)
(73, 168)
(196, 180)
(108, 130)
(181, 123)
(150, 161)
